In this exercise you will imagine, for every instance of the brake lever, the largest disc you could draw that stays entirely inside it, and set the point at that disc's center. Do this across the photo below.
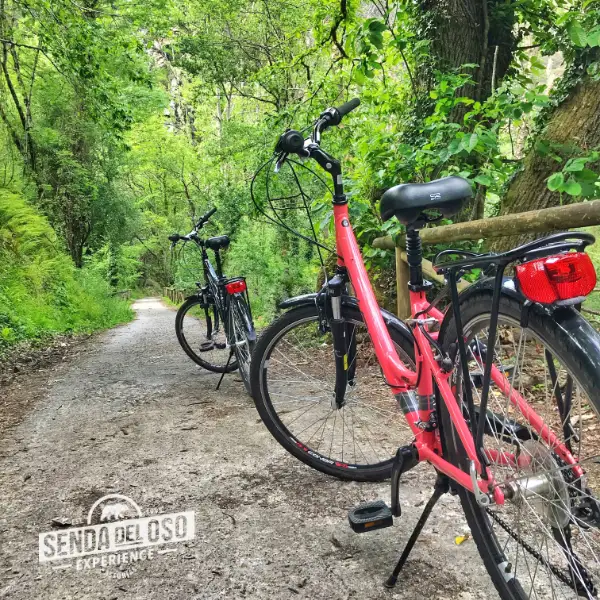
(282, 158)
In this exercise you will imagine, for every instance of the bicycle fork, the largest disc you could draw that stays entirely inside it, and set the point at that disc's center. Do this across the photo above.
(344, 341)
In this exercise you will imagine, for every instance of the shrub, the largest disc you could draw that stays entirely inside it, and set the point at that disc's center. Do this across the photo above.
(41, 292)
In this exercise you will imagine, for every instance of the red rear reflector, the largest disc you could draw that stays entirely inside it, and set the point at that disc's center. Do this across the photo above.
(555, 278)
(235, 287)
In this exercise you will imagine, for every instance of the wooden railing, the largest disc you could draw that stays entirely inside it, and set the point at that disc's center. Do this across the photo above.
(176, 296)
(547, 220)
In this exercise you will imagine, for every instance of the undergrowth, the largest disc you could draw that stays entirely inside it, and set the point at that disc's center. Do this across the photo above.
(41, 292)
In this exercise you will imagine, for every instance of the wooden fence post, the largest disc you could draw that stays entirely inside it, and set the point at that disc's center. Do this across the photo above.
(402, 276)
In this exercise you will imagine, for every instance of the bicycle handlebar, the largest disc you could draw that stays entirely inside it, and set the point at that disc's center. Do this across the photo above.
(292, 141)
(175, 237)
(333, 116)
(205, 217)
(349, 106)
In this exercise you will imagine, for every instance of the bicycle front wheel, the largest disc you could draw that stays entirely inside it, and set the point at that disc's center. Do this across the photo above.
(293, 382)
(544, 542)
(202, 337)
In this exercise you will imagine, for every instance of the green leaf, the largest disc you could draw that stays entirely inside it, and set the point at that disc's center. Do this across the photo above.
(577, 33)
(537, 64)
(575, 164)
(542, 147)
(593, 70)
(593, 37)
(587, 175)
(572, 188)
(376, 25)
(484, 179)
(555, 181)
(359, 77)
(470, 141)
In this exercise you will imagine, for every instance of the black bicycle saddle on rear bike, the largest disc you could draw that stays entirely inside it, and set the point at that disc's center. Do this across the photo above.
(217, 243)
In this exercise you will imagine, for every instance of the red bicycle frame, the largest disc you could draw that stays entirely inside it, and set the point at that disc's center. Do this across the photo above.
(429, 374)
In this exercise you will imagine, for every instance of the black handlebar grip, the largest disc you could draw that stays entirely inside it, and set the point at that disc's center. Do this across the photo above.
(174, 237)
(205, 217)
(349, 106)
(291, 141)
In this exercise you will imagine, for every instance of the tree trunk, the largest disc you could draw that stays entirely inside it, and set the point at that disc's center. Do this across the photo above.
(476, 32)
(463, 32)
(575, 123)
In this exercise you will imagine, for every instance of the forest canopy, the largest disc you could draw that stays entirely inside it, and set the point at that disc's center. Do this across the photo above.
(121, 122)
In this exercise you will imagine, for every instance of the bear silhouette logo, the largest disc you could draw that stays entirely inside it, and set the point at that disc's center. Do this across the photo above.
(113, 507)
(115, 512)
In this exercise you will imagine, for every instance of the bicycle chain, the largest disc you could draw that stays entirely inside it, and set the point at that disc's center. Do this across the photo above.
(567, 579)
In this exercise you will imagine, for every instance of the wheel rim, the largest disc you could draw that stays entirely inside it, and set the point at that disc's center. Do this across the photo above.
(543, 541)
(297, 383)
(212, 350)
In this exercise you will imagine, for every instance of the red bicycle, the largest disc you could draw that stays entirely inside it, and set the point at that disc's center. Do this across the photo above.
(499, 392)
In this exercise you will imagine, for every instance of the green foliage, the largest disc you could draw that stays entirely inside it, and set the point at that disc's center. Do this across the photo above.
(274, 270)
(126, 122)
(41, 292)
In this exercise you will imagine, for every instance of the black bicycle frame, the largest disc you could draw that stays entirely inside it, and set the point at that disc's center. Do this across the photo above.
(212, 288)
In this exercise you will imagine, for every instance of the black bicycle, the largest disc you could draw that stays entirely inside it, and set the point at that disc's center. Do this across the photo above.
(215, 323)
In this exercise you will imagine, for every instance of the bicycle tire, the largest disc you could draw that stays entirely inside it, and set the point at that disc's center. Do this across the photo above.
(191, 302)
(267, 342)
(240, 314)
(545, 329)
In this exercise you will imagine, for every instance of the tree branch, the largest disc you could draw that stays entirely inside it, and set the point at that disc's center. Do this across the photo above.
(484, 50)
(19, 45)
(338, 21)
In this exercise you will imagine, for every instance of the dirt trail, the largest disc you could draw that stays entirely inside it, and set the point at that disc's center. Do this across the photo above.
(132, 415)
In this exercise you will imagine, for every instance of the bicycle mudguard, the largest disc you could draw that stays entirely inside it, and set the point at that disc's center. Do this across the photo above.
(487, 284)
(303, 300)
(390, 319)
(581, 333)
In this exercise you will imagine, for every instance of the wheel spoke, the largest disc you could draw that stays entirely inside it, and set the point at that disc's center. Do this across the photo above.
(551, 551)
(298, 378)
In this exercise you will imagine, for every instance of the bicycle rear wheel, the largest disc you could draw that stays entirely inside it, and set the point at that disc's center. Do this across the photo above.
(293, 379)
(243, 337)
(201, 335)
(544, 542)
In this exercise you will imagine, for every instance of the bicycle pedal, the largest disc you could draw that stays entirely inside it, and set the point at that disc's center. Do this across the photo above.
(370, 516)
(207, 346)
(477, 378)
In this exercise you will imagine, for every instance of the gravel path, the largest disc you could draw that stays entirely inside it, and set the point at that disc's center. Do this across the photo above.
(130, 414)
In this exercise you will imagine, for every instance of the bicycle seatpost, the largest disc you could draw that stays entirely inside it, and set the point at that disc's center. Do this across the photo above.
(219, 264)
(414, 256)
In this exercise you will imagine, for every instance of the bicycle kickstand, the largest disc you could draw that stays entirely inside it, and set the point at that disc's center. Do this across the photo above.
(442, 486)
(224, 371)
